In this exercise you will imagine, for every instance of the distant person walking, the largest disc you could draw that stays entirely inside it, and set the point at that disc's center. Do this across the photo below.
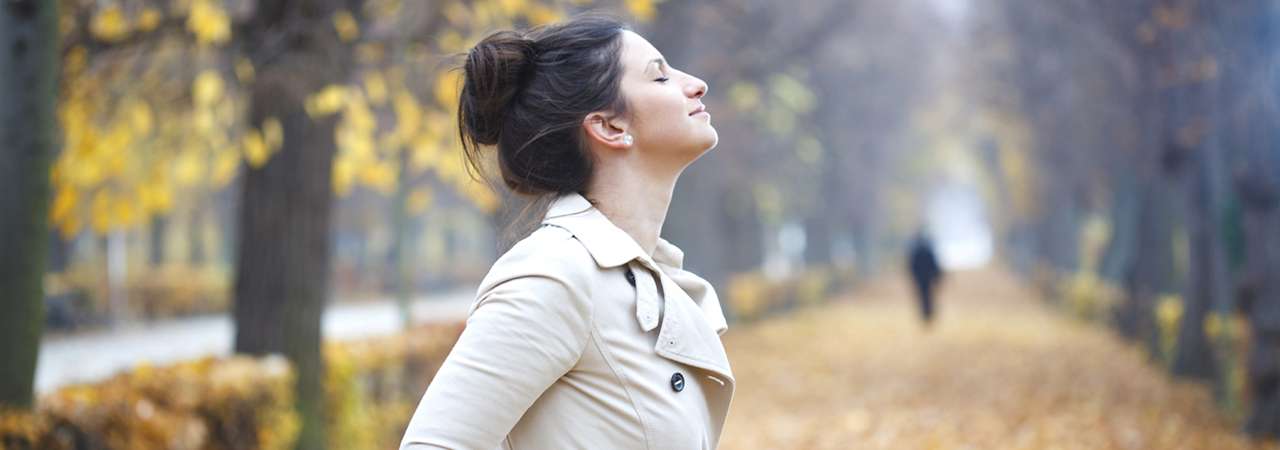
(926, 273)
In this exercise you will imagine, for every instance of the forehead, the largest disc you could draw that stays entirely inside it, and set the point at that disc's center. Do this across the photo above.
(637, 52)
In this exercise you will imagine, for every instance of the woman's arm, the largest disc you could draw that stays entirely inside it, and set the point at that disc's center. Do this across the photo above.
(524, 333)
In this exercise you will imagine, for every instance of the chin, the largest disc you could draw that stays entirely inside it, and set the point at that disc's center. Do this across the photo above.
(711, 140)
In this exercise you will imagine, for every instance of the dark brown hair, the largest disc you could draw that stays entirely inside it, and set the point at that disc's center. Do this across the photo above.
(526, 92)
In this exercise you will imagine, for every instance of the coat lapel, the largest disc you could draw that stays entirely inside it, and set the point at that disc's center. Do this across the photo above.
(691, 319)
(686, 335)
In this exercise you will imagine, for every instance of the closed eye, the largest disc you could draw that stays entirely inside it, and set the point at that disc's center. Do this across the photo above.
(663, 79)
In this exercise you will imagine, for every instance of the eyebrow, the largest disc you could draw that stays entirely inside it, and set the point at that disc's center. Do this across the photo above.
(660, 62)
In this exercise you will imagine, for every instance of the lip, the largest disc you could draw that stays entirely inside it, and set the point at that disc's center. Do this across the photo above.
(699, 109)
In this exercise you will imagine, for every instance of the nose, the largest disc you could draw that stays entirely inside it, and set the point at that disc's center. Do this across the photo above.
(696, 87)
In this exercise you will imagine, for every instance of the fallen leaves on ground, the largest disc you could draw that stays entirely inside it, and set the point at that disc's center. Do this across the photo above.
(1000, 370)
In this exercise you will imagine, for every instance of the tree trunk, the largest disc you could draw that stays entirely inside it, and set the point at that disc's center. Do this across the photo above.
(1150, 274)
(28, 99)
(195, 237)
(1122, 242)
(818, 240)
(282, 271)
(1263, 298)
(159, 226)
(1195, 358)
(1258, 189)
(866, 239)
(282, 274)
(59, 252)
(1060, 236)
(400, 243)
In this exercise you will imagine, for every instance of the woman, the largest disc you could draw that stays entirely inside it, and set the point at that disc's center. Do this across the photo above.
(587, 334)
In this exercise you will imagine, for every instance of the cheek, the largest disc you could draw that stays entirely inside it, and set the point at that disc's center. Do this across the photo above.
(660, 116)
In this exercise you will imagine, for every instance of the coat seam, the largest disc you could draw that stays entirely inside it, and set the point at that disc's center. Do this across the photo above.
(622, 381)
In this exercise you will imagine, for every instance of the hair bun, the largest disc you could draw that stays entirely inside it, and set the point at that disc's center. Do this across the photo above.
(495, 71)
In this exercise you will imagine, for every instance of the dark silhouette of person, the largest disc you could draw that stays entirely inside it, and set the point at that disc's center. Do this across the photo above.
(926, 273)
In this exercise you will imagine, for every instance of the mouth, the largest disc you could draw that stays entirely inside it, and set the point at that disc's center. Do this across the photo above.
(701, 109)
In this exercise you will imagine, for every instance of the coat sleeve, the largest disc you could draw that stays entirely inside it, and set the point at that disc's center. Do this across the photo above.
(523, 334)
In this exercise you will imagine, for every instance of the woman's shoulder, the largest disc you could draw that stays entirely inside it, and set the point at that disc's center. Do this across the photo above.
(549, 252)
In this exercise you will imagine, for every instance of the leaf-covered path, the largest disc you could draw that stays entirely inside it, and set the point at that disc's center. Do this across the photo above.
(1000, 370)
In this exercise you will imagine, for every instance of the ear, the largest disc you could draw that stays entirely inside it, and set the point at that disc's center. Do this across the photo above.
(607, 129)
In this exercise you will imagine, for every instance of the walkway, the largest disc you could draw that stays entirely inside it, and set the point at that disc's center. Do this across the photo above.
(1001, 371)
(92, 356)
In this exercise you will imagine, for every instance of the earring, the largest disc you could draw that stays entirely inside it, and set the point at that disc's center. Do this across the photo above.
(627, 139)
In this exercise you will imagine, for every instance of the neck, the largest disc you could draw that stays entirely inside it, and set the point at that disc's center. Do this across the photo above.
(634, 199)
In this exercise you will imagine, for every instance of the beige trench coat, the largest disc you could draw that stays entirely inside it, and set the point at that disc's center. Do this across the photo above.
(579, 340)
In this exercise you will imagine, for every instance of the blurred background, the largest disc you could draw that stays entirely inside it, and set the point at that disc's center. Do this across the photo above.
(248, 224)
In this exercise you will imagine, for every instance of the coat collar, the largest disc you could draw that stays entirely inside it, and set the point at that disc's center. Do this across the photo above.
(608, 244)
(692, 318)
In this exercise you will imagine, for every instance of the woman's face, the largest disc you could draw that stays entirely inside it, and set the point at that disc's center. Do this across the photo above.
(665, 110)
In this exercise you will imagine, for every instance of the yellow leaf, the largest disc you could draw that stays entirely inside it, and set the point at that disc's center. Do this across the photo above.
(643, 10)
(358, 115)
(789, 91)
(408, 115)
(354, 143)
(87, 174)
(124, 212)
(64, 203)
(70, 227)
(149, 19)
(255, 149)
(343, 175)
(209, 23)
(225, 166)
(346, 26)
(204, 121)
(423, 154)
(188, 168)
(375, 86)
(450, 41)
(207, 88)
(156, 198)
(109, 24)
(380, 176)
(140, 118)
(326, 102)
(744, 96)
(512, 7)
(1213, 325)
(447, 88)
(1169, 311)
(272, 133)
(100, 212)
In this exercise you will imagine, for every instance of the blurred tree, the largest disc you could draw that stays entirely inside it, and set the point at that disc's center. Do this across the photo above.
(282, 269)
(28, 95)
(1151, 117)
(1248, 32)
(787, 156)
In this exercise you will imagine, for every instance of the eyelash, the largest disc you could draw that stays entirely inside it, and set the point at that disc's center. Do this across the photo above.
(663, 79)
